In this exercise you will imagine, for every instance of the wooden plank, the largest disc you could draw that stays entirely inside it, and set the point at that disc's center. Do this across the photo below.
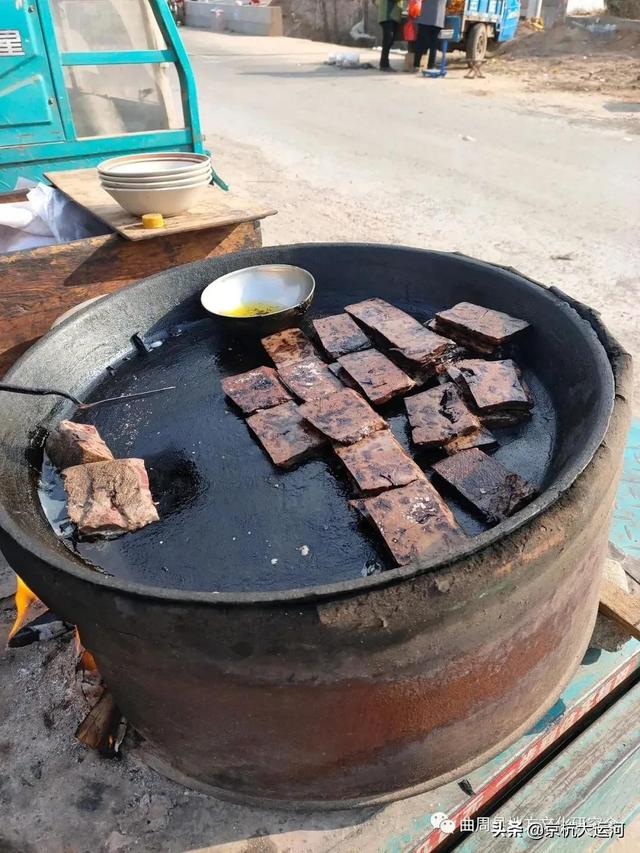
(621, 606)
(13, 196)
(38, 285)
(100, 723)
(215, 210)
(593, 778)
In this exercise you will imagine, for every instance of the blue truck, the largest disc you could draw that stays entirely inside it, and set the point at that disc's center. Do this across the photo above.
(481, 23)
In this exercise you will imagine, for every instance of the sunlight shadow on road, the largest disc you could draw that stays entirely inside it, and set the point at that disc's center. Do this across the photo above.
(622, 107)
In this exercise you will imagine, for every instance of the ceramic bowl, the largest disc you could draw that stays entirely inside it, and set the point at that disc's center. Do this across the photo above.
(156, 165)
(109, 183)
(169, 201)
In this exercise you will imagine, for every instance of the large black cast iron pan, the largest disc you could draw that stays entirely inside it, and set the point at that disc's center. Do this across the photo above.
(233, 527)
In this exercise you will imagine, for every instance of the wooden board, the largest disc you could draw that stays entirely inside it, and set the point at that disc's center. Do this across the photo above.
(216, 208)
(593, 780)
(620, 591)
(621, 606)
(38, 285)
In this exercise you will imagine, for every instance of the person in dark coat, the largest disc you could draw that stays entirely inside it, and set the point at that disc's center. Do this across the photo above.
(430, 21)
(389, 17)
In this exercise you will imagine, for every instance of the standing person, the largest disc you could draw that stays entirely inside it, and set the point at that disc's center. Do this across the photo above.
(430, 21)
(389, 17)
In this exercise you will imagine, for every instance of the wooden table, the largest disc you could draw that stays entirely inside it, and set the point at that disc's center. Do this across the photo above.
(38, 285)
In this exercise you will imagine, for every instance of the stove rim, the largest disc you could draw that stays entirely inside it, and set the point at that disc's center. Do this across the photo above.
(390, 577)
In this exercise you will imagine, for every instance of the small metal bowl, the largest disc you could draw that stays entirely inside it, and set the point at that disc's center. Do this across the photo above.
(278, 293)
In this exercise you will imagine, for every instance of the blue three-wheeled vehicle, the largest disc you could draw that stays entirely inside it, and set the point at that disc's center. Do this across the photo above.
(480, 22)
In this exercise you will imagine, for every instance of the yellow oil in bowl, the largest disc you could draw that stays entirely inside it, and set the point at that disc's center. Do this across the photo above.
(253, 309)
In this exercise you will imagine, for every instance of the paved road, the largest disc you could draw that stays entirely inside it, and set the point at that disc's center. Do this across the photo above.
(365, 156)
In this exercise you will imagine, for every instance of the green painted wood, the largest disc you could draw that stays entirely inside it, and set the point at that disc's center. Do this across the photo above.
(104, 146)
(55, 67)
(625, 531)
(117, 57)
(69, 151)
(595, 777)
(28, 110)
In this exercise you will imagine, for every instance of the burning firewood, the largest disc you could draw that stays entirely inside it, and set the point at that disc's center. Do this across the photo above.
(104, 727)
(100, 722)
(45, 627)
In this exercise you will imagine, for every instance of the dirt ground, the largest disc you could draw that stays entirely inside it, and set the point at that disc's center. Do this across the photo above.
(497, 168)
(569, 58)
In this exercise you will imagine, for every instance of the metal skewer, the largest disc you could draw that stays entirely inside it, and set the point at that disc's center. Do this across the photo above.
(43, 392)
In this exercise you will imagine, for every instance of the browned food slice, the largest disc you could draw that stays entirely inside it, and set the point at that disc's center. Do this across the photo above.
(309, 378)
(256, 389)
(403, 333)
(376, 376)
(491, 386)
(478, 327)
(493, 490)
(344, 416)
(284, 434)
(414, 522)
(439, 415)
(107, 498)
(467, 341)
(479, 438)
(288, 345)
(76, 444)
(340, 335)
(379, 462)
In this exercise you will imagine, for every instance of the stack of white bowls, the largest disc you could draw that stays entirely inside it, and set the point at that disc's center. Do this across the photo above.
(169, 183)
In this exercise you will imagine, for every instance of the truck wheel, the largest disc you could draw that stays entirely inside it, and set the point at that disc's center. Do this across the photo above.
(477, 43)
